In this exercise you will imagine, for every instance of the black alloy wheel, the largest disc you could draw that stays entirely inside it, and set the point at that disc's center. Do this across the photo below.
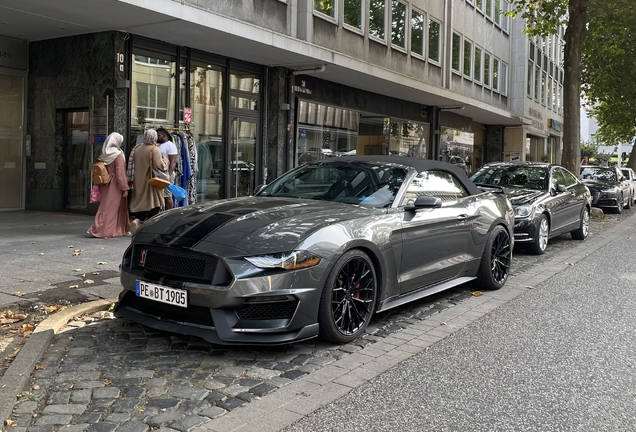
(348, 300)
(494, 268)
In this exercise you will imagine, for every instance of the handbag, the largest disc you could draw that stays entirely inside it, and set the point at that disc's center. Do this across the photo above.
(157, 178)
(96, 194)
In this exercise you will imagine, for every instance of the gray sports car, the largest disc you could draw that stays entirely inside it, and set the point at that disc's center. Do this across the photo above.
(316, 252)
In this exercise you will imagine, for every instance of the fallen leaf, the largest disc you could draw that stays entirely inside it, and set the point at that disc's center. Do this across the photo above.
(40, 367)
(9, 320)
(36, 387)
(73, 286)
(84, 275)
(51, 309)
(478, 293)
(89, 281)
(9, 423)
(41, 253)
(95, 273)
(78, 270)
(14, 354)
(529, 287)
(443, 323)
(102, 263)
(21, 280)
(27, 329)
(70, 247)
(77, 250)
(76, 253)
(108, 382)
(18, 294)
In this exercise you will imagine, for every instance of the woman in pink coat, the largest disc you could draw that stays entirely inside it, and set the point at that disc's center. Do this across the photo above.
(111, 219)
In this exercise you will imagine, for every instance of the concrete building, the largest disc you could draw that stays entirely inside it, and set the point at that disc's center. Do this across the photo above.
(589, 126)
(265, 85)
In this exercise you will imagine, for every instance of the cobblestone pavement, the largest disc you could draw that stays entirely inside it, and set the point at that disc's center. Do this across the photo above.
(103, 374)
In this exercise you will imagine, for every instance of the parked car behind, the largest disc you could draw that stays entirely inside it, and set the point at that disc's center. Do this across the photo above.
(316, 252)
(630, 175)
(548, 200)
(609, 188)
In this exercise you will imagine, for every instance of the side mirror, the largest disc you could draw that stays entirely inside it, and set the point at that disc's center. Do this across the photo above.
(561, 188)
(425, 201)
(259, 188)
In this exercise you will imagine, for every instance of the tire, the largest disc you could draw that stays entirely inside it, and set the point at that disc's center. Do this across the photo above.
(541, 236)
(629, 202)
(619, 205)
(348, 299)
(584, 228)
(494, 267)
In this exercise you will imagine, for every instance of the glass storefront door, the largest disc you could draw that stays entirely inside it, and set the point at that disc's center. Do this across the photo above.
(243, 157)
(77, 159)
(11, 140)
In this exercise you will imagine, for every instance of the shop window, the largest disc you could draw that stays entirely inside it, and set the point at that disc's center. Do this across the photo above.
(433, 40)
(477, 69)
(487, 69)
(245, 81)
(398, 24)
(153, 89)
(353, 13)
(456, 56)
(407, 138)
(417, 33)
(495, 74)
(326, 7)
(244, 103)
(503, 78)
(376, 18)
(468, 64)
(456, 147)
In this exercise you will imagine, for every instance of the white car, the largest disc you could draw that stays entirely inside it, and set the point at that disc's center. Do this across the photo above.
(630, 175)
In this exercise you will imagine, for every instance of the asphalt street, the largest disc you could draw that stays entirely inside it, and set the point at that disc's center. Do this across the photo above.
(560, 357)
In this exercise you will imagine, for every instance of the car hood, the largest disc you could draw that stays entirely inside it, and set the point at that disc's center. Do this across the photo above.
(523, 196)
(253, 225)
(600, 184)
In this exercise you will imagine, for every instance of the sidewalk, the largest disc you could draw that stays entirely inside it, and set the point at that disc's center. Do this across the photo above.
(111, 375)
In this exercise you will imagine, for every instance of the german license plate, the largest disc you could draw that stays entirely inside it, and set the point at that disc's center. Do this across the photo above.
(173, 296)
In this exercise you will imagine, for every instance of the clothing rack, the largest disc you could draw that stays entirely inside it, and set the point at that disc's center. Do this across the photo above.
(169, 126)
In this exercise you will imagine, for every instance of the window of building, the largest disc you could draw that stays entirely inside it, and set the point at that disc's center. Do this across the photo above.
(417, 33)
(153, 88)
(456, 56)
(529, 84)
(477, 69)
(554, 96)
(495, 74)
(479, 4)
(489, 8)
(398, 24)
(537, 82)
(503, 78)
(543, 89)
(433, 40)
(487, 69)
(498, 12)
(559, 98)
(376, 19)
(505, 21)
(468, 64)
(353, 13)
(326, 7)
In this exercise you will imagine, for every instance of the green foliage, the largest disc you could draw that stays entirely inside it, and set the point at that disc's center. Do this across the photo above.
(543, 17)
(609, 62)
(325, 6)
(588, 150)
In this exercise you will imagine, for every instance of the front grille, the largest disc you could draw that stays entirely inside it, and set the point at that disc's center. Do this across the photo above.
(595, 195)
(192, 314)
(178, 263)
(268, 311)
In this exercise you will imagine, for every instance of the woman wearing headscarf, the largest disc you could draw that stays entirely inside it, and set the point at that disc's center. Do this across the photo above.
(111, 219)
(146, 201)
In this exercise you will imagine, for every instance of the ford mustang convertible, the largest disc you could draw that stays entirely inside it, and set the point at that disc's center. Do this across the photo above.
(316, 252)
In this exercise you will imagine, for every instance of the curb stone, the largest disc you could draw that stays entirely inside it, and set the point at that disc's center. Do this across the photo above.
(15, 378)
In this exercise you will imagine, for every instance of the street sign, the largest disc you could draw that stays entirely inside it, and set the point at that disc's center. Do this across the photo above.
(187, 115)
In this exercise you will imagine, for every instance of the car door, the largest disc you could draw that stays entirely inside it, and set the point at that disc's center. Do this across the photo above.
(434, 240)
(558, 205)
(578, 199)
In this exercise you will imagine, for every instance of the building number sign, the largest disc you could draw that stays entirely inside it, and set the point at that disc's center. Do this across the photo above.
(120, 62)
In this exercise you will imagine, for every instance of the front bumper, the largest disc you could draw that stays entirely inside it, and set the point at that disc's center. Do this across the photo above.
(259, 307)
(524, 230)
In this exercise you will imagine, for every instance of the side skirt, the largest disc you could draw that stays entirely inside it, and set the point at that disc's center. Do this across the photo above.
(407, 298)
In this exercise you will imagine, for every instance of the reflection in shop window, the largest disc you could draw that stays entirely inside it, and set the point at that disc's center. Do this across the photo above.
(152, 101)
(353, 13)
(153, 89)
(457, 148)
(433, 40)
(417, 33)
(376, 18)
(245, 81)
(408, 138)
(398, 24)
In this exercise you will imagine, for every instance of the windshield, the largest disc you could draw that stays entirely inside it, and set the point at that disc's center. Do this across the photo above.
(594, 173)
(513, 176)
(365, 184)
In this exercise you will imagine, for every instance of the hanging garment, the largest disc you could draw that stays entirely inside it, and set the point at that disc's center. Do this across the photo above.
(194, 167)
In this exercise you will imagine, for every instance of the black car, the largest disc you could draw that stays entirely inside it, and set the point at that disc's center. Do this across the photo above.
(548, 200)
(316, 252)
(609, 187)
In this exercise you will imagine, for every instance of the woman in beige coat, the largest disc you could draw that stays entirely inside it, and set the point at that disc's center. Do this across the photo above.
(146, 201)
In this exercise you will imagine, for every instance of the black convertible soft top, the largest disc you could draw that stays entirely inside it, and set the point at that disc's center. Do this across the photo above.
(415, 163)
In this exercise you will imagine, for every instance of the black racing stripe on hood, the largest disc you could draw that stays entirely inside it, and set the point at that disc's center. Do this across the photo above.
(192, 229)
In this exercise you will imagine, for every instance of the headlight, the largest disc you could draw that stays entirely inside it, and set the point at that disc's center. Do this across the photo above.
(523, 211)
(604, 194)
(288, 260)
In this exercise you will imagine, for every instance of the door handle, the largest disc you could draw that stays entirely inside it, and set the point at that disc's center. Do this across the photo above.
(462, 217)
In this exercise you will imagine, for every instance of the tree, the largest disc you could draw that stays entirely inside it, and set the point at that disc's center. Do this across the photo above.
(588, 150)
(609, 62)
(543, 18)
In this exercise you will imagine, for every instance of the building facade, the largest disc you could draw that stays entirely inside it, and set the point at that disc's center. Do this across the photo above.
(261, 86)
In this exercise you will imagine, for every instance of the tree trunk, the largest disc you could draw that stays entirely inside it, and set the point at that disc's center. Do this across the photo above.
(574, 35)
(632, 159)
